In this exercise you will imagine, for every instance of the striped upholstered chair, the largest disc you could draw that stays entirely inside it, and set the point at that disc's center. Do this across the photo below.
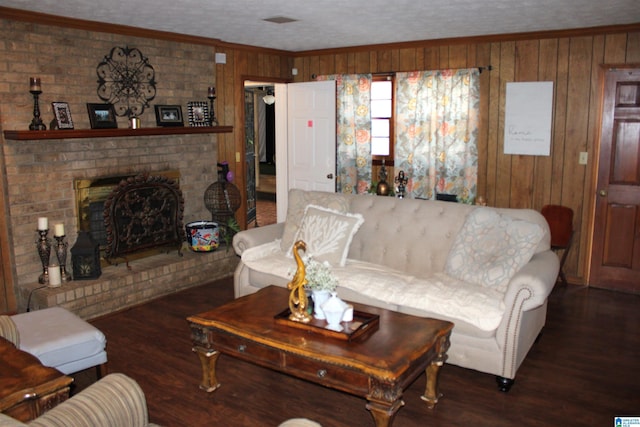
(115, 400)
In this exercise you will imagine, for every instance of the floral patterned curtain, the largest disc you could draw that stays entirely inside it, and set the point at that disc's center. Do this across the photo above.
(437, 131)
(353, 132)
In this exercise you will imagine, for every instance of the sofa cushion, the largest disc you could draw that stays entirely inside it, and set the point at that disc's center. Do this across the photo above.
(490, 248)
(297, 203)
(438, 294)
(327, 233)
(478, 307)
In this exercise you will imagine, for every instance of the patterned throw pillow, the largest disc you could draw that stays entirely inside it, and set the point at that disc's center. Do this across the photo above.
(328, 233)
(491, 248)
(298, 202)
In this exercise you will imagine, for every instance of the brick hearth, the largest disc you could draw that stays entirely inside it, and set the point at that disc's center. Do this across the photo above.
(120, 287)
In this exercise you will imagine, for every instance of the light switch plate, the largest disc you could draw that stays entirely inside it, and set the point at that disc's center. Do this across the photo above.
(584, 158)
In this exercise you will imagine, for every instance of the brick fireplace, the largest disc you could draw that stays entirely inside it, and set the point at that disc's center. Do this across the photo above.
(40, 182)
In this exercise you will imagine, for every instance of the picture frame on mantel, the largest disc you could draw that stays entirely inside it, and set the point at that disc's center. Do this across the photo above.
(62, 116)
(169, 115)
(198, 113)
(102, 116)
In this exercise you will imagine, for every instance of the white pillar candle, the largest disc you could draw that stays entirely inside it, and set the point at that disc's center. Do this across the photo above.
(43, 223)
(34, 84)
(55, 278)
(58, 230)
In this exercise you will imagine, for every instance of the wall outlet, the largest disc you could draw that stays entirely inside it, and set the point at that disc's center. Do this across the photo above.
(584, 158)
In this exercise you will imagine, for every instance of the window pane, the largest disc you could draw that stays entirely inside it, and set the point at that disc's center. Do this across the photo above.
(379, 146)
(381, 89)
(381, 108)
(380, 128)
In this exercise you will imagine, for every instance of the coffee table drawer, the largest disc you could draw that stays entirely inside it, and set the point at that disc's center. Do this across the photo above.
(334, 376)
(246, 349)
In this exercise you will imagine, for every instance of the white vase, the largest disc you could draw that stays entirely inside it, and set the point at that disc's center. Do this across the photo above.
(334, 309)
(319, 297)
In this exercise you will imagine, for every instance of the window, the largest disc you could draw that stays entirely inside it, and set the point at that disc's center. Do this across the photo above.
(382, 139)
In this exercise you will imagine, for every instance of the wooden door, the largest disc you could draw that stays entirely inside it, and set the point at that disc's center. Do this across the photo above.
(615, 262)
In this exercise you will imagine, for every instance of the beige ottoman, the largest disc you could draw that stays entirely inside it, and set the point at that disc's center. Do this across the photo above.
(61, 340)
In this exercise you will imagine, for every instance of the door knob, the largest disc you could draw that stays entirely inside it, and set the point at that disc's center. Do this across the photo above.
(330, 176)
(602, 193)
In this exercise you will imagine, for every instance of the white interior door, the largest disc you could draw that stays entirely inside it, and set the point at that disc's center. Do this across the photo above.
(305, 139)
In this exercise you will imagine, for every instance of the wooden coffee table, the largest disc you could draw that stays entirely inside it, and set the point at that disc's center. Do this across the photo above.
(378, 366)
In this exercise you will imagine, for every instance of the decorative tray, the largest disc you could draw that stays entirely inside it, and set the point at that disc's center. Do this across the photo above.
(363, 324)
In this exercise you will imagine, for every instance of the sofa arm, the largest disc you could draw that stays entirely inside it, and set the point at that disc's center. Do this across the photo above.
(246, 239)
(115, 400)
(538, 276)
(525, 310)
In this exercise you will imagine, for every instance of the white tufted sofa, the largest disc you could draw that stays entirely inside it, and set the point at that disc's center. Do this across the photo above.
(402, 247)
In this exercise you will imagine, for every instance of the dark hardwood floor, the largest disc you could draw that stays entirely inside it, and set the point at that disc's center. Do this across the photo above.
(584, 370)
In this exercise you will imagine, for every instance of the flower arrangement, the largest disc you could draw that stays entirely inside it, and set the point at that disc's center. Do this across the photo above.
(319, 276)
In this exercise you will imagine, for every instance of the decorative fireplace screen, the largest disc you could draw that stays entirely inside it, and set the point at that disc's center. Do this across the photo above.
(132, 214)
(143, 212)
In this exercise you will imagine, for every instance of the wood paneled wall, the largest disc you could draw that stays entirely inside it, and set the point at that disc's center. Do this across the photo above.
(243, 64)
(572, 62)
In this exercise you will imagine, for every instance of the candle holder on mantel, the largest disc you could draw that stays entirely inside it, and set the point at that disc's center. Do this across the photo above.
(61, 254)
(211, 94)
(44, 250)
(36, 90)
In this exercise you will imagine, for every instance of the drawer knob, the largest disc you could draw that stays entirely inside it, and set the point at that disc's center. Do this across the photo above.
(322, 373)
(242, 348)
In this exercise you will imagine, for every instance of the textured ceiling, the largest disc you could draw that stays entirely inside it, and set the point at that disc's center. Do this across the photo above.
(339, 23)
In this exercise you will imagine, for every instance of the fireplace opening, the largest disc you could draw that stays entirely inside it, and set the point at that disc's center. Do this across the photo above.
(132, 215)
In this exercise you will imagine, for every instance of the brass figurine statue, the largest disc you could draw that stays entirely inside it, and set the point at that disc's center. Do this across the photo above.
(298, 297)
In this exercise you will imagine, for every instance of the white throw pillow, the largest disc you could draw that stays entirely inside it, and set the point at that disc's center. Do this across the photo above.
(298, 202)
(491, 248)
(327, 233)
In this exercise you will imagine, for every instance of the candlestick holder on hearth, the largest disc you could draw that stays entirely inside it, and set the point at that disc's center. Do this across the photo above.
(61, 254)
(44, 250)
(36, 123)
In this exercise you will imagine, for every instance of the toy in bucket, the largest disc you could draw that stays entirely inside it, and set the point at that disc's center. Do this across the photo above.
(203, 236)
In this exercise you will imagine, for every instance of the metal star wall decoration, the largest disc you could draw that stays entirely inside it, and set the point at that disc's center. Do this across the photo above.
(126, 80)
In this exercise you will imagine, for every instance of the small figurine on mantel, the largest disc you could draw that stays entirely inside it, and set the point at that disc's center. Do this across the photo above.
(401, 180)
(382, 189)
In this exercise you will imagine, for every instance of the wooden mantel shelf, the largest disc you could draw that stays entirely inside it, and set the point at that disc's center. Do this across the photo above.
(27, 135)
